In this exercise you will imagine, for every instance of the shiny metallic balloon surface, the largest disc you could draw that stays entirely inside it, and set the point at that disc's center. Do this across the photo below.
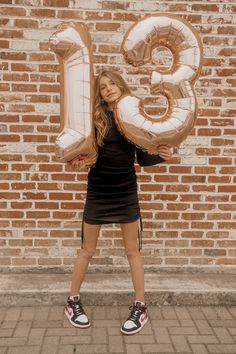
(72, 45)
(176, 83)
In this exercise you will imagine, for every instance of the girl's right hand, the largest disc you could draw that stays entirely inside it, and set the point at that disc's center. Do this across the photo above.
(78, 162)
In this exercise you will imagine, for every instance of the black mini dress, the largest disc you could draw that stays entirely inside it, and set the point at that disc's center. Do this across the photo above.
(112, 195)
(112, 185)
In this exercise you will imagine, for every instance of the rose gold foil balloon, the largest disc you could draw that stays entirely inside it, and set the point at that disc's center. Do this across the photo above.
(176, 83)
(72, 45)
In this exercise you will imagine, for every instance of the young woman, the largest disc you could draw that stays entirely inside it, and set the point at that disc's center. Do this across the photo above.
(111, 198)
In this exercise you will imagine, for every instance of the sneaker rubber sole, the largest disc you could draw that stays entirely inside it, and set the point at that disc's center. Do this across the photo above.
(75, 324)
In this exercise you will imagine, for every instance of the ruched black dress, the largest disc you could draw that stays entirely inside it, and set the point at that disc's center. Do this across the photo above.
(112, 184)
(112, 187)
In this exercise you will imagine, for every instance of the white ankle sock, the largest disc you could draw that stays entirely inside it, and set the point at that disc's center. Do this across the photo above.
(74, 297)
(141, 302)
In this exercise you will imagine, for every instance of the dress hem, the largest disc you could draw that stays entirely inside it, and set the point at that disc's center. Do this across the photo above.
(110, 222)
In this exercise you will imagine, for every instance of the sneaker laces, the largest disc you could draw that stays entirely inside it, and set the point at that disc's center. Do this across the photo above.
(134, 313)
(77, 307)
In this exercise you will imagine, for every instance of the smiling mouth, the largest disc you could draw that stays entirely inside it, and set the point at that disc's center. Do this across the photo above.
(111, 94)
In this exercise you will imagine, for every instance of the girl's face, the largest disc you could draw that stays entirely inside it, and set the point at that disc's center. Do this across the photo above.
(109, 91)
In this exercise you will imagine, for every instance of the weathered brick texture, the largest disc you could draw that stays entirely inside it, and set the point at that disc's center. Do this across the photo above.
(188, 205)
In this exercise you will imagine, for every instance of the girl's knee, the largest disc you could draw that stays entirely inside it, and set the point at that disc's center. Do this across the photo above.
(87, 253)
(131, 253)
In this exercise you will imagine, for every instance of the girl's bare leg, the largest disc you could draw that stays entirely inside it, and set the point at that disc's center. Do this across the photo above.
(130, 237)
(91, 233)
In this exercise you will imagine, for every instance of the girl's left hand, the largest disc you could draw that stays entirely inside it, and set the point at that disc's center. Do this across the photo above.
(164, 151)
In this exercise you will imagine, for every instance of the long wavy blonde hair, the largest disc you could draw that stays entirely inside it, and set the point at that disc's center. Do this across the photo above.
(100, 107)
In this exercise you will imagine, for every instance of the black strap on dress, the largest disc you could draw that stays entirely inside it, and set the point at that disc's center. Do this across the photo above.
(140, 232)
(82, 232)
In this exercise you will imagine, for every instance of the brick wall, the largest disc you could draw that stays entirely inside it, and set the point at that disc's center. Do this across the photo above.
(188, 205)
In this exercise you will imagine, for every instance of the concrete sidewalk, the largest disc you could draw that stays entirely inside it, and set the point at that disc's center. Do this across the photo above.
(181, 319)
(171, 329)
(164, 288)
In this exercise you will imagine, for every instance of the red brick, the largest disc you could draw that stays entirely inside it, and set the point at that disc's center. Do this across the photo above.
(4, 44)
(89, 15)
(23, 223)
(37, 214)
(34, 138)
(220, 161)
(177, 261)
(4, 185)
(34, 118)
(4, 87)
(5, 260)
(227, 188)
(23, 185)
(49, 68)
(206, 7)
(202, 243)
(202, 225)
(35, 233)
(49, 261)
(43, 78)
(192, 234)
(60, 196)
(61, 233)
(151, 187)
(47, 243)
(3, 167)
(37, 98)
(12, 11)
(26, 23)
(21, 167)
(44, 13)
(23, 261)
(21, 205)
(222, 142)
(10, 176)
(16, 77)
(72, 205)
(24, 88)
(50, 168)
(48, 186)
(217, 198)
(9, 138)
(115, 5)
(226, 261)
(219, 179)
(226, 30)
(11, 214)
(70, 14)
(218, 216)
(46, 205)
(217, 234)
(32, 195)
(37, 158)
(41, 57)
(21, 108)
(64, 215)
(56, 3)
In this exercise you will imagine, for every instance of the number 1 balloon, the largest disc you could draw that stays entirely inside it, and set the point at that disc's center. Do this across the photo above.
(176, 83)
(72, 45)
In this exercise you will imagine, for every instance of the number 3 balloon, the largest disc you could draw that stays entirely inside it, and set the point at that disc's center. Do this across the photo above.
(176, 83)
(72, 45)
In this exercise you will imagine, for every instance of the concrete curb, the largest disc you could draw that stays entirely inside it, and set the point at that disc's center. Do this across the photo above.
(116, 289)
